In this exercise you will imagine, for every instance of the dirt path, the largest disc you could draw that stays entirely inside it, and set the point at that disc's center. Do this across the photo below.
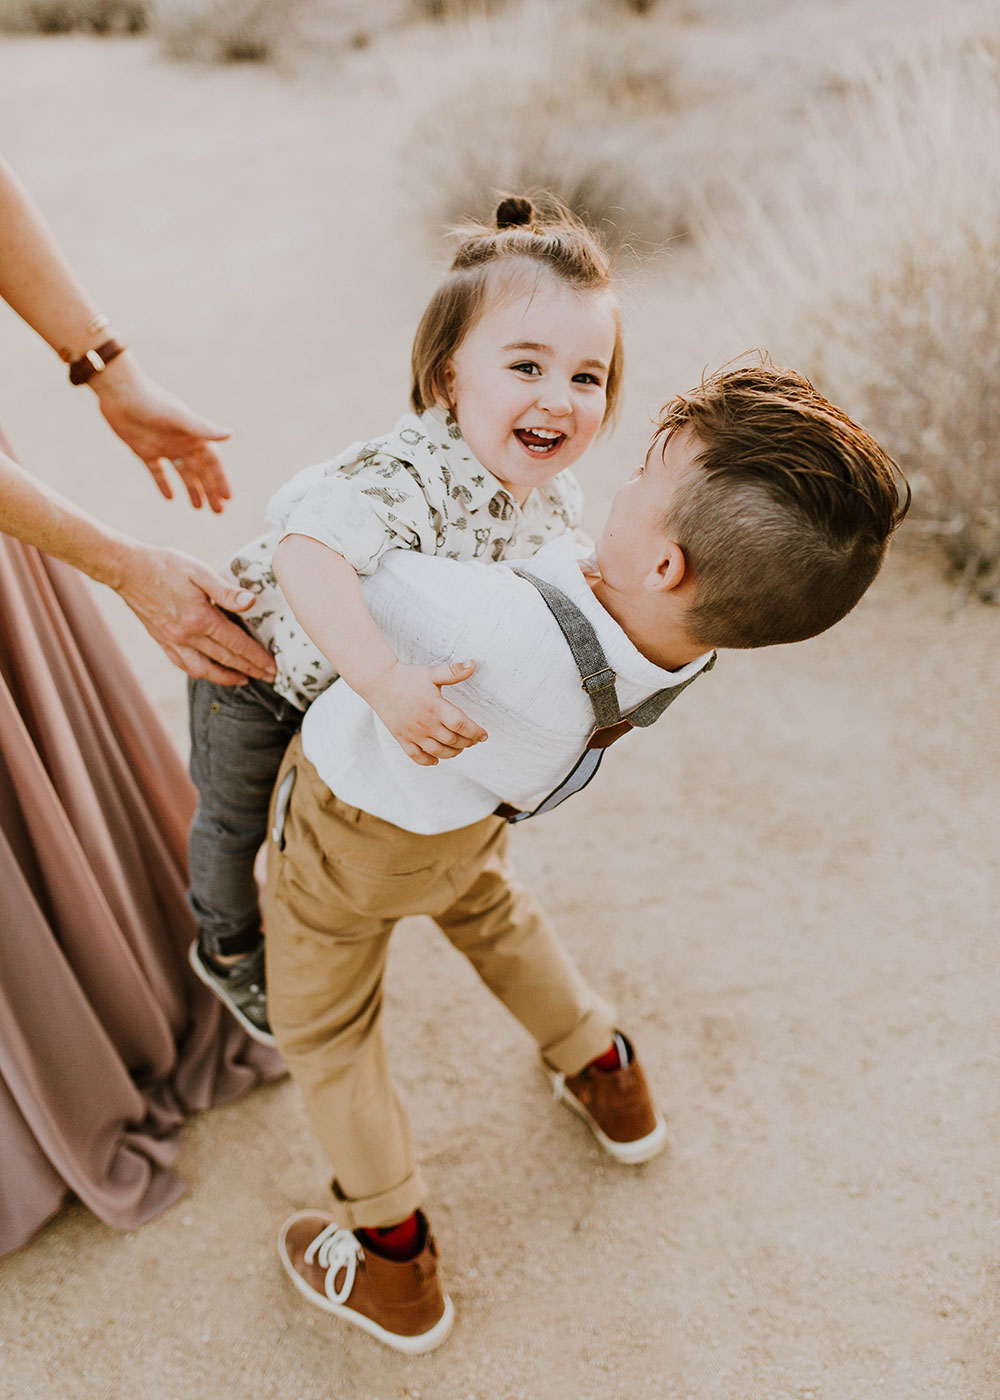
(789, 890)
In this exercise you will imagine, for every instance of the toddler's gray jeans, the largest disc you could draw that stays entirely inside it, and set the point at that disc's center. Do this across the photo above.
(239, 734)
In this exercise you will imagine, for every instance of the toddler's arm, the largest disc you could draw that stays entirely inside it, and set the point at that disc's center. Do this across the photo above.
(324, 592)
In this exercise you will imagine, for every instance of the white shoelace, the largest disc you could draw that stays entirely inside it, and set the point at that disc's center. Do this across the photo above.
(335, 1249)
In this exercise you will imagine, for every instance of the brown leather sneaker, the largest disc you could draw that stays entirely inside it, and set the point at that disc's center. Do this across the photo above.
(400, 1303)
(617, 1107)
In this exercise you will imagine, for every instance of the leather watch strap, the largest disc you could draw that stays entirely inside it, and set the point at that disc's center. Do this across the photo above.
(84, 369)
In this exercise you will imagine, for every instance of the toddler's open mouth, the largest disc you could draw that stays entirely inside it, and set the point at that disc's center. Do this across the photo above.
(540, 441)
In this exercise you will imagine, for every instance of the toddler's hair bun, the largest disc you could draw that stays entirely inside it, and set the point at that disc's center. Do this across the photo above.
(513, 212)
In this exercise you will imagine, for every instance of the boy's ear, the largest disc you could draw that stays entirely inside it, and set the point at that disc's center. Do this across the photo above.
(671, 569)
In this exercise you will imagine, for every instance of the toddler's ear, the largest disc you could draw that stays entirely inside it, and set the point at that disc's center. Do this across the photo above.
(443, 386)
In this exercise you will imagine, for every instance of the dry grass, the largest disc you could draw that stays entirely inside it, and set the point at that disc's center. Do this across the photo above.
(558, 94)
(227, 31)
(455, 9)
(67, 16)
(214, 31)
(880, 272)
(470, 9)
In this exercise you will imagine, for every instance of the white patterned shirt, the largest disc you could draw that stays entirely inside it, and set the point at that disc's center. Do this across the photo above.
(526, 690)
(417, 488)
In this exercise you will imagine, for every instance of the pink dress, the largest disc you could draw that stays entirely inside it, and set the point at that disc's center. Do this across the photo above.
(106, 1038)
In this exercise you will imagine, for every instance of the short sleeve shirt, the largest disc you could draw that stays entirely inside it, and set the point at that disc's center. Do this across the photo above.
(417, 488)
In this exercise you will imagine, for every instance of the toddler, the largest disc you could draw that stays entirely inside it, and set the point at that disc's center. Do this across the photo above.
(516, 367)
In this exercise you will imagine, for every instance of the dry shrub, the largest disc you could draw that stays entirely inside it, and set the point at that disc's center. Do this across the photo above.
(67, 16)
(557, 94)
(227, 31)
(455, 9)
(327, 30)
(468, 9)
(879, 273)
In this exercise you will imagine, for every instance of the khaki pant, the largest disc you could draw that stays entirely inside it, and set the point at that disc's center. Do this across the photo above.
(334, 894)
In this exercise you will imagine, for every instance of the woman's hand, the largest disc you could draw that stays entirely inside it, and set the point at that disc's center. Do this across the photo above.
(161, 429)
(177, 599)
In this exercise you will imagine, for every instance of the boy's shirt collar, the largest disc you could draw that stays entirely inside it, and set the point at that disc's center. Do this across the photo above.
(550, 563)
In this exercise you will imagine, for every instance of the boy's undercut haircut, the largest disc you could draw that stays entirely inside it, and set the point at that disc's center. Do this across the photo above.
(547, 238)
(786, 517)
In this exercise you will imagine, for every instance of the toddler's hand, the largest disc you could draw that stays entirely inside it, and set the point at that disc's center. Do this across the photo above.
(409, 702)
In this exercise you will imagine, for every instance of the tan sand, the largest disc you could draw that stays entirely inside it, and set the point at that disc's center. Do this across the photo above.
(788, 887)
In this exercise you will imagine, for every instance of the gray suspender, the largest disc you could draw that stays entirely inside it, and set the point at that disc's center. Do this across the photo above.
(598, 678)
(595, 672)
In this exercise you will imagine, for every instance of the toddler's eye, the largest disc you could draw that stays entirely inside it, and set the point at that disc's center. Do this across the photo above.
(526, 367)
(587, 378)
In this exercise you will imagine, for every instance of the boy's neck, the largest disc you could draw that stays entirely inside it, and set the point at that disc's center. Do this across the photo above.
(660, 636)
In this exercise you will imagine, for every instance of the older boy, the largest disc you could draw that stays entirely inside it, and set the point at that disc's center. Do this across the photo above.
(761, 515)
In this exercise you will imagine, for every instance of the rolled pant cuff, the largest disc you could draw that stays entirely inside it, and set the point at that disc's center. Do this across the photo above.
(588, 1039)
(232, 944)
(387, 1208)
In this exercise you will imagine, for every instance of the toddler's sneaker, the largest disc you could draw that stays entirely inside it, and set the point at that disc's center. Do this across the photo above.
(398, 1301)
(241, 989)
(616, 1106)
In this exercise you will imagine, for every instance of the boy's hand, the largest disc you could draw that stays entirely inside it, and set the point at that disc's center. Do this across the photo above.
(409, 702)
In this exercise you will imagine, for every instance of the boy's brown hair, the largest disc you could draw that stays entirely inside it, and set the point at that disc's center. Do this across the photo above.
(549, 238)
(786, 516)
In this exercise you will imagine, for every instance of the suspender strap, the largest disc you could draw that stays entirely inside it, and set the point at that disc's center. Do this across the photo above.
(578, 777)
(598, 679)
(650, 710)
(595, 671)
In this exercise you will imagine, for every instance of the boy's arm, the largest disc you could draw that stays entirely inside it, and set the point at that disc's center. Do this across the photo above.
(324, 592)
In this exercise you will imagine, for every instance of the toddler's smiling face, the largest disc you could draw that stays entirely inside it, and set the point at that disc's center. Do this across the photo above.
(528, 384)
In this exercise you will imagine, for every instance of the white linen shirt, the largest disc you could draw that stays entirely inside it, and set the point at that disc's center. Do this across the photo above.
(526, 691)
(417, 488)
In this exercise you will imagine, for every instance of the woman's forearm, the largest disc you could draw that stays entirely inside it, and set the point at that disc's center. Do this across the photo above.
(35, 279)
(36, 514)
(39, 284)
(180, 601)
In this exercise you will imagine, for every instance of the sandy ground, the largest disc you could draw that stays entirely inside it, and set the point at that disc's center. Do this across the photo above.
(788, 887)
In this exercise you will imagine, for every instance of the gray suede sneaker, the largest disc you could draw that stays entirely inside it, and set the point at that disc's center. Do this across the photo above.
(242, 991)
